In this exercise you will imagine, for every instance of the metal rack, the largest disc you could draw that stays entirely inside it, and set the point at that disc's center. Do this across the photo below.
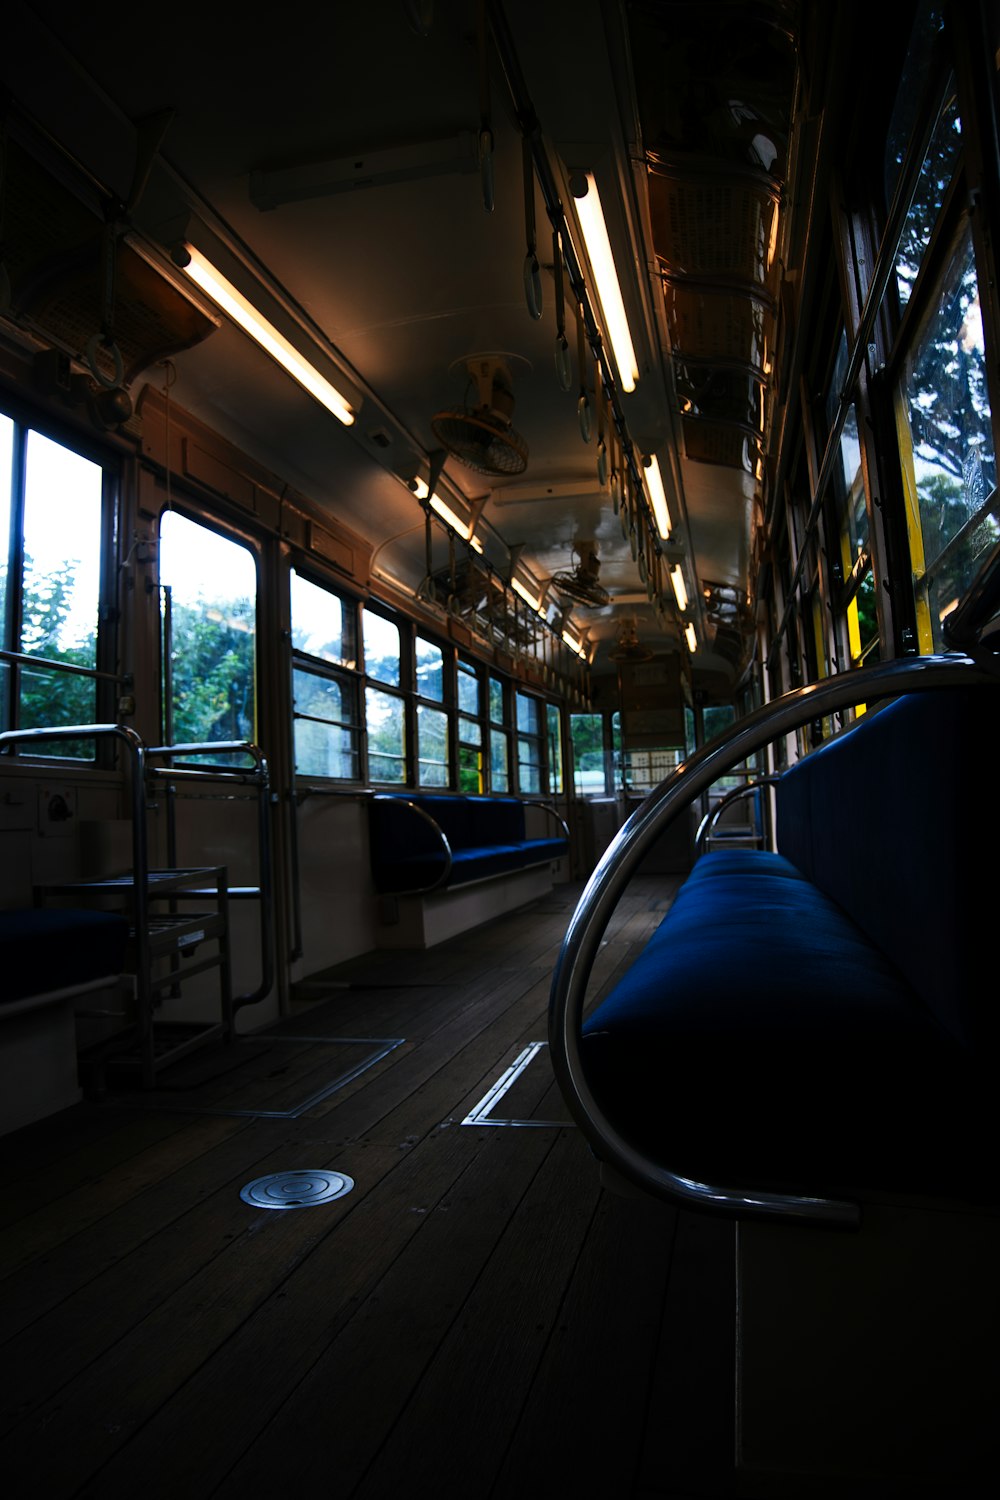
(167, 939)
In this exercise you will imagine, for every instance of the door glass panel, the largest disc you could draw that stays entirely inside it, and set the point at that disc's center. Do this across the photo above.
(209, 584)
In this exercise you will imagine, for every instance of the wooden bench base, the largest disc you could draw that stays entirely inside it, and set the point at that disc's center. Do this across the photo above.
(423, 921)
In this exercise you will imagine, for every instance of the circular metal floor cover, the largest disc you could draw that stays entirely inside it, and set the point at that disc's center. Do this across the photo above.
(296, 1189)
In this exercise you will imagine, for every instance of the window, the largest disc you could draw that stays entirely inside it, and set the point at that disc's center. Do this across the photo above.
(385, 717)
(324, 684)
(470, 732)
(586, 737)
(946, 445)
(432, 723)
(529, 744)
(553, 719)
(52, 517)
(208, 585)
(499, 743)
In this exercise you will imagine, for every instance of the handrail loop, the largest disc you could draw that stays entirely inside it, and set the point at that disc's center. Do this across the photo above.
(710, 819)
(620, 861)
(422, 890)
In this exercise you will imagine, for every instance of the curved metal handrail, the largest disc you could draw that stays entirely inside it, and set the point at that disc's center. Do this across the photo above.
(548, 808)
(422, 890)
(618, 864)
(710, 819)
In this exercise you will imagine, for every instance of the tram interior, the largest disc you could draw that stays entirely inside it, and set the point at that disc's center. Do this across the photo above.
(397, 506)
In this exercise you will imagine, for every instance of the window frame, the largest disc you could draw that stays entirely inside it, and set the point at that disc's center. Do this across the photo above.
(108, 680)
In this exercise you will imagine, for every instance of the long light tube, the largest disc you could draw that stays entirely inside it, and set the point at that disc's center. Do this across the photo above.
(680, 592)
(236, 306)
(595, 234)
(691, 638)
(533, 600)
(574, 645)
(466, 529)
(658, 499)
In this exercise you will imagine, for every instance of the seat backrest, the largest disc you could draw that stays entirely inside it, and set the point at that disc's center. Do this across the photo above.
(893, 820)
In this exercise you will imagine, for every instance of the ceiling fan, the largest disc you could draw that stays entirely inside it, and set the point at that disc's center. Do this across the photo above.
(581, 583)
(628, 647)
(482, 435)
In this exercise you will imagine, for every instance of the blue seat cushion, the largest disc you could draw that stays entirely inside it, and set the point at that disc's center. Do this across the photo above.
(51, 948)
(760, 1039)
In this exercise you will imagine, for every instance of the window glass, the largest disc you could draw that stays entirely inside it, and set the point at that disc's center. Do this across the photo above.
(528, 714)
(949, 466)
(432, 746)
(935, 175)
(326, 736)
(553, 721)
(529, 744)
(586, 733)
(468, 688)
(499, 773)
(209, 587)
(6, 479)
(321, 625)
(51, 513)
(381, 640)
(496, 700)
(386, 736)
(430, 670)
(921, 53)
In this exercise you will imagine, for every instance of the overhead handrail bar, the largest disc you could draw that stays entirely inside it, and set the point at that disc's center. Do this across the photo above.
(617, 866)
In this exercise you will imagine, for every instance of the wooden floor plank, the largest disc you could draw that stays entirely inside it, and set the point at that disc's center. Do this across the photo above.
(583, 1425)
(452, 1437)
(327, 1387)
(161, 1337)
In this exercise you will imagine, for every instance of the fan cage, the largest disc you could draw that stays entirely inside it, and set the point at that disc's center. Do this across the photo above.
(481, 443)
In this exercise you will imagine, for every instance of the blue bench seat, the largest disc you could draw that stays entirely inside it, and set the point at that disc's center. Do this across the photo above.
(824, 1018)
(49, 949)
(421, 842)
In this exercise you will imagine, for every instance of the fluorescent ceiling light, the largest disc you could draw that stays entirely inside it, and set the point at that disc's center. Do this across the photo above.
(465, 529)
(534, 600)
(680, 592)
(233, 303)
(595, 234)
(574, 645)
(691, 638)
(658, 499)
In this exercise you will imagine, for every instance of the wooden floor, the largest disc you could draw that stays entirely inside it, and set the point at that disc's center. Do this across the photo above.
(475, 1318)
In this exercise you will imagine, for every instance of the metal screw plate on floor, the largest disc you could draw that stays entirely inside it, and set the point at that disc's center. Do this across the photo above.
(296, 1189)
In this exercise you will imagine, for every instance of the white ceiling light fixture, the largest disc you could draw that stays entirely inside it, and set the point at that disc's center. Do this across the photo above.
(465, 529)
(526, 592)
(587, 201)
(221, 291)
(575, 645)
(680, 592)
(691, 638)
(658, 497)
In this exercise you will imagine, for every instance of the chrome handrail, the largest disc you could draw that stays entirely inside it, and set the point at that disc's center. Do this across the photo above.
(617, 866)
(548, 808)
(260, 777)
(421, 890)
(710, 819)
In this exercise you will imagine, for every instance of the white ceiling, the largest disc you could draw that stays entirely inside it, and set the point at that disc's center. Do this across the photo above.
(401, 279)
